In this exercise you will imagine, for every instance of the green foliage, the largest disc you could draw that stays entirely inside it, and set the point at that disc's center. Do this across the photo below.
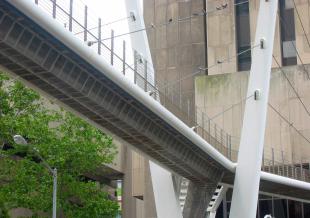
(64, 141)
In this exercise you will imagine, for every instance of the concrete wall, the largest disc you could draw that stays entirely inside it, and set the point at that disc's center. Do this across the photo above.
(177, 49)
(221, 37)
(217, 93)
(138, 198)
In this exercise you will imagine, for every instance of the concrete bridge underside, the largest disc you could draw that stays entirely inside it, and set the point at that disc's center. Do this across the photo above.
(29, 51)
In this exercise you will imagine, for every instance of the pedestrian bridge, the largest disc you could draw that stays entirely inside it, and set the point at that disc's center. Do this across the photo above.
(37, 48)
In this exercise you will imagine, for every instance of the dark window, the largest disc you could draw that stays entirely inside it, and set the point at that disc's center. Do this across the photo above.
(219, 212)
(243, 35)
(306, 210)
(280, 208)
(288, 35)
(265, 208)
(294, 208)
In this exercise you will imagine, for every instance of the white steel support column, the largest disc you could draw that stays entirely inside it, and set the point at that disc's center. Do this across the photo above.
(247, 178)
(166, 202)
(139, 40)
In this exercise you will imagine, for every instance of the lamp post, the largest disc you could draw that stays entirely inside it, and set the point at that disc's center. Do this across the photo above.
(18, 139)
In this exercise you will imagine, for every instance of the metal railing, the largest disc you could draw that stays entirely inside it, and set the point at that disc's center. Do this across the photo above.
(75, 17)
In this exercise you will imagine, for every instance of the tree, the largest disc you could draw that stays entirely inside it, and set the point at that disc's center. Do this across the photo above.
(65, 141)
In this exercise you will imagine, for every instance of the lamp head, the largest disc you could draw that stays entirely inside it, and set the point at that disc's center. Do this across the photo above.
(18, 139)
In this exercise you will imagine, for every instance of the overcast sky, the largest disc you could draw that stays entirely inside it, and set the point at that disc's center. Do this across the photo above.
(108, 11)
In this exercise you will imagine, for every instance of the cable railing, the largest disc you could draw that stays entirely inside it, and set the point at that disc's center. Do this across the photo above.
(181, 105)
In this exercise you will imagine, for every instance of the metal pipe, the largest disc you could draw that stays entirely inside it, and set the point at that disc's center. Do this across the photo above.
(124, 57)
(54, 8)
(70, 15)
(145, 75)
(85, 22)
(135, 61)
(54, 193)
(112, 47)
(99, 36)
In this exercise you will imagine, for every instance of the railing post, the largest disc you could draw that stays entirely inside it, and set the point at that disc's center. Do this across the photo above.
(145, 75)
(85, 22)
(215, 133)
(209, 129)
(54, 8)
(70, 15)
(227, 141)
(263, 165)
(203, 124)
(99, 36)
(124, 57)
(188, 111)
(180, 95)
(302, 175)
(283, 167)
(36, 2)
(273, 168)
(135, 66)
(229, 144)
(112, 47)
(155, 85)
(222, 143)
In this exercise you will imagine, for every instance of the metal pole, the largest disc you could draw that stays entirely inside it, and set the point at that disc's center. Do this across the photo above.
(145, 75)
(124, 57)
(36, 1)
(230, 157)
(188, 105)
(70, 15)
(263, 164)
(112, 46)
(209, 130)
(99, 36)
(248, 170)
(301, 171)
(54, 8)
(54, 193)
(203, 125)
(273, 168)
(283, 165)
(135, 57)
(85, 22)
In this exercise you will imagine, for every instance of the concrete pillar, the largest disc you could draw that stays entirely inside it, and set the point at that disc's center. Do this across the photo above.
(128, 201)
(198, 198)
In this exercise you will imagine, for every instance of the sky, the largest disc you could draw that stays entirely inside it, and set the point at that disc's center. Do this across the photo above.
(108, 11)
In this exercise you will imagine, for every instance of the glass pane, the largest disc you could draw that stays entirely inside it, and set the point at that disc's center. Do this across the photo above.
(295, 210)
(280, 208)
(265, 208)
(219, 212)
(228, 208)
(243, 34)
(288, 34)
(306, 210)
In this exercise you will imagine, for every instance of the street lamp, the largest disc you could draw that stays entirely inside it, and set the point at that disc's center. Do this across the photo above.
(18, 139)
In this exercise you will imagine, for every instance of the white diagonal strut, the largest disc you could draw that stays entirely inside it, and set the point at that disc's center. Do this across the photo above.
(166, 202)
(247, 178)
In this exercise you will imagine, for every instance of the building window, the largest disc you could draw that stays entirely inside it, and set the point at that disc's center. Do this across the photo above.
(280, 208)
(243, 34)
(288, 35)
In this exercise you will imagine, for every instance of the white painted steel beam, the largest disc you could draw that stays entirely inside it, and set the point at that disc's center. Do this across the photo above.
(248, 171)
(166, 202)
